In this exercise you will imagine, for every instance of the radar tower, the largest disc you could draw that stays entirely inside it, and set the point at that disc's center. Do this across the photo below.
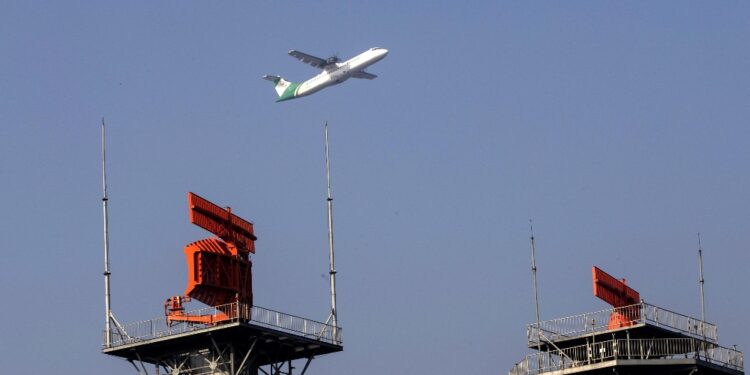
(632, 337)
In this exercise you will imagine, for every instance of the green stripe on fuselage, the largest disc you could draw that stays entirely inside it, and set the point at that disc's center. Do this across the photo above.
(289, 93)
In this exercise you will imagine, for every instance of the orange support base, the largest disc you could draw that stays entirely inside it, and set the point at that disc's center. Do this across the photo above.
(619, 320)
(175, 312)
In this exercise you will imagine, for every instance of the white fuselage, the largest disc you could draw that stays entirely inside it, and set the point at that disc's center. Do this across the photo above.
(340, 72)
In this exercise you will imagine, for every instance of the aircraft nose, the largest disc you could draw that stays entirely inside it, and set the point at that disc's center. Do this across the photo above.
(384, 52)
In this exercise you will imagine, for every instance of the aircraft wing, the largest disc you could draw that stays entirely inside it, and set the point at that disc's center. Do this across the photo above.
(363, 74)
(309, 59)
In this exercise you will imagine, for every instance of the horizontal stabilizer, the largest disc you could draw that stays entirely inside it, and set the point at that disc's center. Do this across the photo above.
(274, 79)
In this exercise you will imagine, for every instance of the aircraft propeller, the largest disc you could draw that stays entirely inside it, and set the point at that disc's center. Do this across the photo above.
(333, 59)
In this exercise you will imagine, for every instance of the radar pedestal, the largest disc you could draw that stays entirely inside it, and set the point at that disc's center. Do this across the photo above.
(231, 335)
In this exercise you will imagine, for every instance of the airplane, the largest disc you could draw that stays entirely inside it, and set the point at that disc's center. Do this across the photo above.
(333, 73)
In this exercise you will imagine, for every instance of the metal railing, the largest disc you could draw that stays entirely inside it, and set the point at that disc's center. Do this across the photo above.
(600, 321)
(644, 349)
(234, 312)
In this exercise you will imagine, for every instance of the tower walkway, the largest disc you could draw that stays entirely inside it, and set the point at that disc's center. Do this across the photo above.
(632, 352)
(637, 315)
(253, 316)
(642, 337)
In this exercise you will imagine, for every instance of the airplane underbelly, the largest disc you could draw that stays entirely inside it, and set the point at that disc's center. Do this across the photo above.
(341, 76)
(341, 79)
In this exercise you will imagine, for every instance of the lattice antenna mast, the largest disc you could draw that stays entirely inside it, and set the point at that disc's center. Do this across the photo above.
(333, 318)
(107, 273)
(701, 281)
(536, 293)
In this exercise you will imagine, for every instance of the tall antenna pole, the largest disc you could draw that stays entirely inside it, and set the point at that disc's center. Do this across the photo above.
(701, 281)
(107, 308)
(536, 294)
(332, 271)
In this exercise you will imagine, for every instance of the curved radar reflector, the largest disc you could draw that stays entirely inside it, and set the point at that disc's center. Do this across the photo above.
(215, 276)
(618, 294)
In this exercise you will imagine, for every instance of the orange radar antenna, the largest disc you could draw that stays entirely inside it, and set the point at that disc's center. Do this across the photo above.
(222, 222)
(219, 269)
(618, 294)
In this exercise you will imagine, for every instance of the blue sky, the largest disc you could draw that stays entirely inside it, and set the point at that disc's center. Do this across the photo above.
(620, 128)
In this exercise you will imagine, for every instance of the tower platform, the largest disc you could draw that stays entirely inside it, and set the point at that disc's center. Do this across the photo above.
(643, 320)
(649, 340)
(637, 366)
(249, 339)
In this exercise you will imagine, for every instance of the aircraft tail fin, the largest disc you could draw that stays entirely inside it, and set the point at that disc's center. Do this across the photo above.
(284, 89)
